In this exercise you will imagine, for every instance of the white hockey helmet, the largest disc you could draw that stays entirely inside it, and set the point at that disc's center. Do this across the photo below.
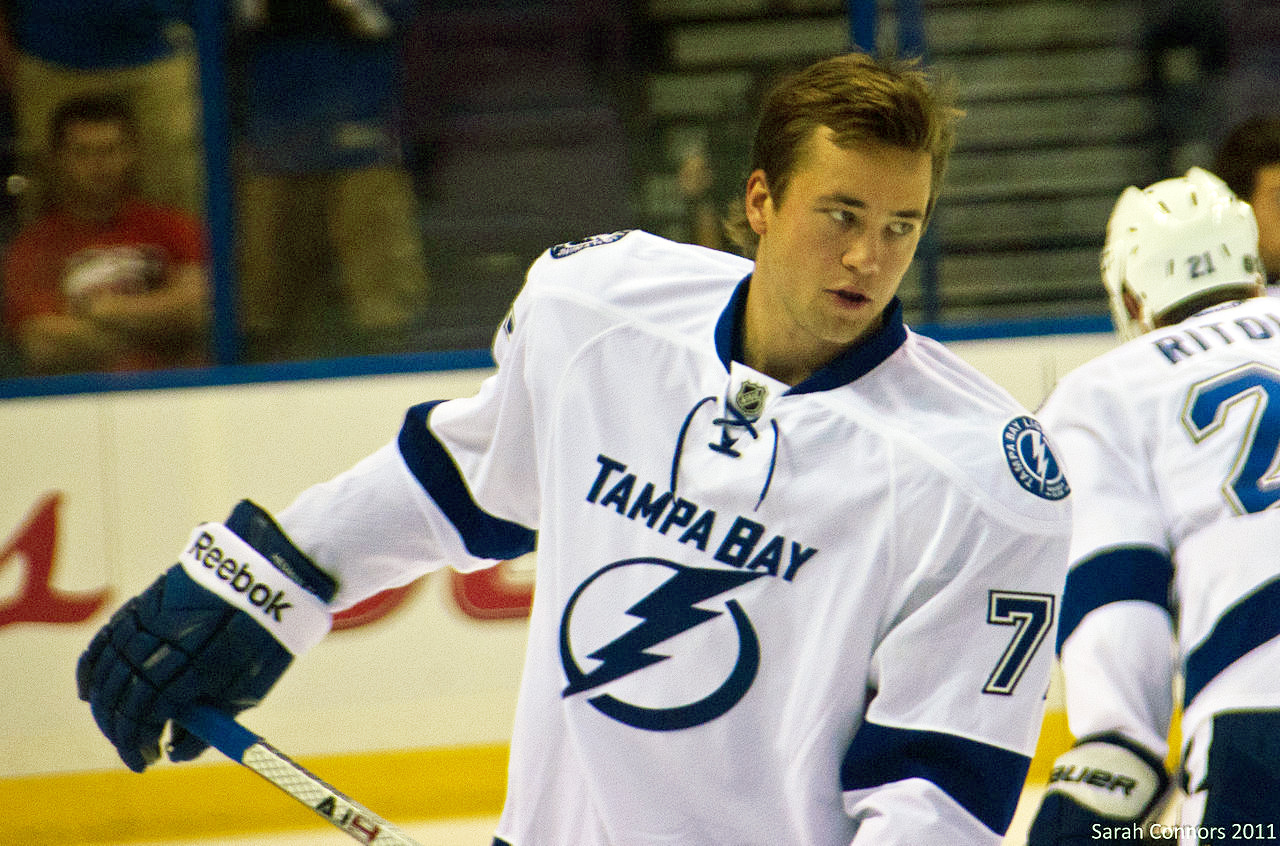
(1174, 240)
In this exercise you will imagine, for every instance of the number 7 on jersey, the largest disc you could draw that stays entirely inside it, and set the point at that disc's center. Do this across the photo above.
(1031, 615)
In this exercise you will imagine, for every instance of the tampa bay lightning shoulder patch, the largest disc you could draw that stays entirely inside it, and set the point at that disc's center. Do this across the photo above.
(570, 247)
(1031, 461)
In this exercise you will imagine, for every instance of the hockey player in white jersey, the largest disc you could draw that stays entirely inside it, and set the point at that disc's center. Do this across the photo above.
(1171, 441)
(797, 565)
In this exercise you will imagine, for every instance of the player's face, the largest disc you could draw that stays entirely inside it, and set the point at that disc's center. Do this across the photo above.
(95, 159)
(833, 251)
(1266, 208)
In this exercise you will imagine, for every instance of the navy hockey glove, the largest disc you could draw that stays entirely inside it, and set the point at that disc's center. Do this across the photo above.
(1104, 780)
(218, 629)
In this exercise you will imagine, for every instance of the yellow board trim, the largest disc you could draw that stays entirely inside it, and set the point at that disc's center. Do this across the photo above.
(171, 802)
(1055, 738)
(174, 802)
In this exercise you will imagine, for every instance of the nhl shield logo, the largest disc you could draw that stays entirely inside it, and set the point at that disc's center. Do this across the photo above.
(750, 399)
(1033, 464)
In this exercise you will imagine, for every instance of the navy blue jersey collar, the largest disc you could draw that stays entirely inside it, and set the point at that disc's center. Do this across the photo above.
(852, 363)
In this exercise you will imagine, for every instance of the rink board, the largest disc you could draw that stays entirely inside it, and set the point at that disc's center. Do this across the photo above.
(409, 707)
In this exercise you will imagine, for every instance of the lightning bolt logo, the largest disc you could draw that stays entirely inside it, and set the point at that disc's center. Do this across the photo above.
(1037, 450)
(1038, 461)
(667, 611)
(1031, 460)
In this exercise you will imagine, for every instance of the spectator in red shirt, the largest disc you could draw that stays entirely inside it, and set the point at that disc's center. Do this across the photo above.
(105, 281)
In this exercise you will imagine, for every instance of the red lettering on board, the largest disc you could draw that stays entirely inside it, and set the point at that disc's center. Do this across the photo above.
(34, 546)
(493, 593)
(496, 593)
(375, 607)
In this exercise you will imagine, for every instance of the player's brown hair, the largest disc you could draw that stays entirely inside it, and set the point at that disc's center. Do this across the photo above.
(860, 98)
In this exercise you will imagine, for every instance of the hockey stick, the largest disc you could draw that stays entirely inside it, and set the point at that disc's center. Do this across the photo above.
(243, 746)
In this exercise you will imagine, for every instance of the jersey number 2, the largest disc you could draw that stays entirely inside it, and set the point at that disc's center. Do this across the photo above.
(1031, 615)
(1254, 483)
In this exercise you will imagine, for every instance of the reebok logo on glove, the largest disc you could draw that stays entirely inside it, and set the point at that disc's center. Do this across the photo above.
(237, 574)
(222, 562)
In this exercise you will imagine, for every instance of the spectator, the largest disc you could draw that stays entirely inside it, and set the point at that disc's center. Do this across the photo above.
(695, 180)
(140, 49)
(710, 172)
(322, 186)
(104, 280)
(1249, 162)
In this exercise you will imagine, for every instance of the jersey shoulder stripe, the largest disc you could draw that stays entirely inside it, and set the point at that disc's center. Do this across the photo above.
(483, 534)
(1119, 574)
(1253, 621)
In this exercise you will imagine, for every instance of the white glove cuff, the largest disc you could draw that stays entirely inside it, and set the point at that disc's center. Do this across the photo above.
(1107, 779)
(218, 559)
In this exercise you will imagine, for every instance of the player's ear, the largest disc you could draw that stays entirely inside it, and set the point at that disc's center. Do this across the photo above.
(759, 201)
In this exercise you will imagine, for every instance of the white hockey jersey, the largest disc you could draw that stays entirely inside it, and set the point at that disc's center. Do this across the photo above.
(763, 614)
(1171, 443)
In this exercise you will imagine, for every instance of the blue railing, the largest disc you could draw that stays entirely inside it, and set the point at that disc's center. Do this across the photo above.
(244, 374)
(211, 37)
